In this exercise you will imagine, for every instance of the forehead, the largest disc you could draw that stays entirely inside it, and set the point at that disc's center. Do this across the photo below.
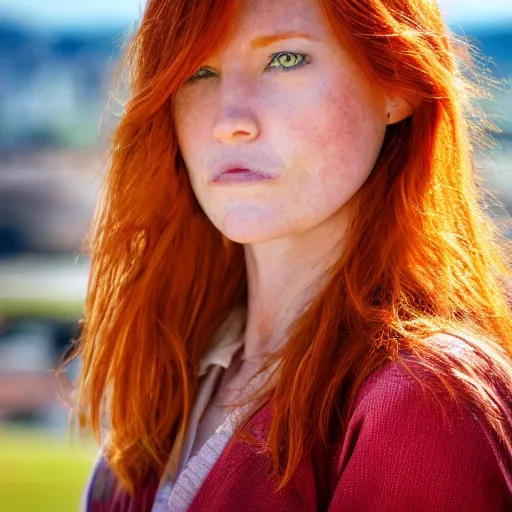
(261, 17)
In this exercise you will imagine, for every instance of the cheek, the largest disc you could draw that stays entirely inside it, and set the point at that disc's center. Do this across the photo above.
(192, 110)
(331, 137)
(192, 129)
(352, 135)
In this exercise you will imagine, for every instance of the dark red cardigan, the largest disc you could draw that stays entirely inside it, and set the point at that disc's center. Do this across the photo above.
(402, 453)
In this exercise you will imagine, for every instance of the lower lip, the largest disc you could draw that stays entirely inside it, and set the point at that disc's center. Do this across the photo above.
(241, 176)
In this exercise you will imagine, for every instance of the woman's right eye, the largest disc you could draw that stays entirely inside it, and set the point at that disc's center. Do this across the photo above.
(201, 73)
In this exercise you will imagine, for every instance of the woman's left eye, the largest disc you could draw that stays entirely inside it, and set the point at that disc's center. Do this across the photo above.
(286, 60)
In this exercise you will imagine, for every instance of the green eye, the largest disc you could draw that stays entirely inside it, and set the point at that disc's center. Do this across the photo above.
(285, 60)
(201, 73)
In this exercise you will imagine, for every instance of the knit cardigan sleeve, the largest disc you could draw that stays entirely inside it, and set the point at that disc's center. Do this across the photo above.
(404, 452)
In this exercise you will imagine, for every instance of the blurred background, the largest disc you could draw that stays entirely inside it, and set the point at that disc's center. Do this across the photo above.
(56, 64)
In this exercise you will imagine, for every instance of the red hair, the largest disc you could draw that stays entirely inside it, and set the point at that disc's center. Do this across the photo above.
(422, 256)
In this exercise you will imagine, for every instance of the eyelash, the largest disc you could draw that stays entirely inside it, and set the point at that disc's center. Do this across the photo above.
(273, 57)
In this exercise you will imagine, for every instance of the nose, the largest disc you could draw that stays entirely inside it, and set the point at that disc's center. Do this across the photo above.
(236, 121)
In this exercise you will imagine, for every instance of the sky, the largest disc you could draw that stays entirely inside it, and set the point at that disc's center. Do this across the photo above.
(90, 13)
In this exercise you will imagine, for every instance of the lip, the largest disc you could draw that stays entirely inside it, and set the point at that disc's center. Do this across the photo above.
(231, 172)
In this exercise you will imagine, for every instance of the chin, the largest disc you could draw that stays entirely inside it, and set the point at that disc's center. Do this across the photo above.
(249, 235)
(251, 227)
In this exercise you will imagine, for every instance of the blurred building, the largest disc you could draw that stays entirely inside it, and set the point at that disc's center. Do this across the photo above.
(54, 85)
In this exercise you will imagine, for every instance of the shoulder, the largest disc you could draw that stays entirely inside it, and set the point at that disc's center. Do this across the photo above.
(103, 491)
(413, 384)
(411, 446)
(100, 486)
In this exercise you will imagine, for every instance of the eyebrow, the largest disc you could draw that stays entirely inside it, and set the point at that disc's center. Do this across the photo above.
(262, 41)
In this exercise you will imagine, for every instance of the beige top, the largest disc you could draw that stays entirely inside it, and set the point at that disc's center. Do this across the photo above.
(225, 343)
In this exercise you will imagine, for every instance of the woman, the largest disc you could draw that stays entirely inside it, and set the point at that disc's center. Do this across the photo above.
(296, 300)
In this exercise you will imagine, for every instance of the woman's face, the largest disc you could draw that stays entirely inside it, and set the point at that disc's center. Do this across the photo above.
(282, 97)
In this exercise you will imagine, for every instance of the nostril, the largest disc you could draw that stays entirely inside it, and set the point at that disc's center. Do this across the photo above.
(232, 129)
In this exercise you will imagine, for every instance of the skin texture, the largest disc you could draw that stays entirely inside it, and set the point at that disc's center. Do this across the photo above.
(318, 126)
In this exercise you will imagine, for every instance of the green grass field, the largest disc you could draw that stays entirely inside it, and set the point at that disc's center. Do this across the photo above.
(40, 472)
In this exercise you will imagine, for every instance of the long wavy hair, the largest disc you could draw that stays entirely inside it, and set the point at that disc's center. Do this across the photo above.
(422, 253)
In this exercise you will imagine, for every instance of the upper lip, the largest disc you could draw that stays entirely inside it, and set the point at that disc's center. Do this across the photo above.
(229, 165)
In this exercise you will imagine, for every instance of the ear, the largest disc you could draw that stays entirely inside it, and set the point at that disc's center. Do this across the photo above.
(397, 109)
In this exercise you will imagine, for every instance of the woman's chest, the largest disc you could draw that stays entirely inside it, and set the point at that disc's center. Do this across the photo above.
(240, 480)
(217, 409)
(212, 418)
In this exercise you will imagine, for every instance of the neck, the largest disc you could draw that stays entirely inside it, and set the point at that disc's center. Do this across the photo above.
(283, 277)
